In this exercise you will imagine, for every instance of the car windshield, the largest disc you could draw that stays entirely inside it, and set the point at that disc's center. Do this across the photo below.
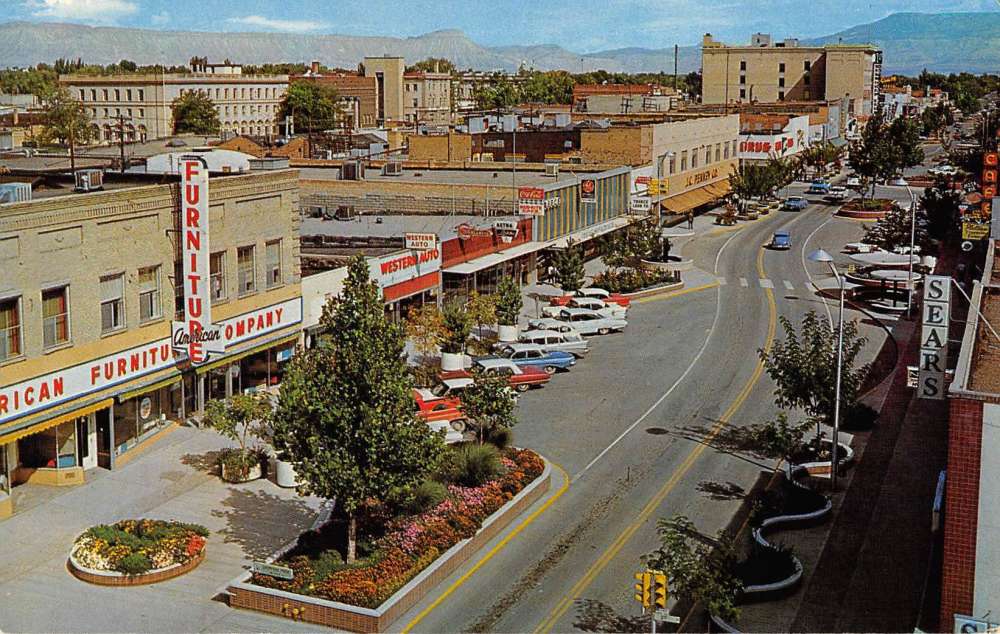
(441, 389)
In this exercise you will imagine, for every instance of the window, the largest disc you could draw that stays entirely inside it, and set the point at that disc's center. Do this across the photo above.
(142, 113)
(83, 97)
(743, 95)
(10, 328)
(673, 165)
(273, 254)
(718, 157)
(150, 306)
(684, 160)
(118, 95)
(743, 65)
(107, 114)
(130, 116)
(708, 155)
(105, 92)
(93, 94)
(142, 94)
(55, 316)
(781, 95)
(112, 303)
(218, 95)
(179, 290)
(128, 94)
(781, 67)
(725, 155)
(694, 159)
(245, 270)
(781, 82)
(217, 266)
(807, 66)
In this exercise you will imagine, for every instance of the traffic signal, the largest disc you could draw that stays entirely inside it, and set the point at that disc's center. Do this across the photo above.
(642, 588)
(660, 590)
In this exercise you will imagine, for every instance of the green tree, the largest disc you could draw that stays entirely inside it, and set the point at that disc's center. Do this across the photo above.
(482, 309)
(433, 65)
(940, 204)
(804, 367)
(548, 87)
(778, 438)
(568, 264)
(499, 92)
(509, 301)
(698, 568)
(425, 328)
(195, 113)
(458, 327)
(642, 240)
(489, 401)
(892, 231)
(345, 417)
(66, 121)
(872, 156)
(314, 104)
(241, 418)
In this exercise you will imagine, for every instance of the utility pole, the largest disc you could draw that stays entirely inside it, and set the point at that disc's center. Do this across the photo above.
(675, 68)
(121, 139)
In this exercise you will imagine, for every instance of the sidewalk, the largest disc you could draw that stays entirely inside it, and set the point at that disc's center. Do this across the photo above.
(172, 480)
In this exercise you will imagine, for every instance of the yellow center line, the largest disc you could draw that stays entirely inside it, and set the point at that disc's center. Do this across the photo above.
(595, 569)
(684, 291)
(493, 551)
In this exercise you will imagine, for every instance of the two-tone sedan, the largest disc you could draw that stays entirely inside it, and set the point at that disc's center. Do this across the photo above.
(570, 341)
(521, 378)
(596, 293)
(588, 322)
(590, 303)
(534, 355)
(549, 323)
(441, 414)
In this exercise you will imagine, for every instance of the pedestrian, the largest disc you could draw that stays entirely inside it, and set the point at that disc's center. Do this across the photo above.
(690, 220)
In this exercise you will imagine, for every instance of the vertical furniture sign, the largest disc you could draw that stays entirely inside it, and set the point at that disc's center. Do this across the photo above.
(934, 337)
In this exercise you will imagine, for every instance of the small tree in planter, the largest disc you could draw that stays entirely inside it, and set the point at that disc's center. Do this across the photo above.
(568, 264)
(489, 401)
(508, 307)
(482, 311)
(242, 419)
(345, 416)
(457, 328)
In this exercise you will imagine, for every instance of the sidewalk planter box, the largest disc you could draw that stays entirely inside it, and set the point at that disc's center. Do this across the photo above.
(507, 334)
(254, 474)
(246, 595)
(284, 474)
(655, 290)
(452, 361)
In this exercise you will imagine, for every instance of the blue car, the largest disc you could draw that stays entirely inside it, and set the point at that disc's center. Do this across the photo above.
(781, 240)
(819, 187)
(795, 203)
(532, 354)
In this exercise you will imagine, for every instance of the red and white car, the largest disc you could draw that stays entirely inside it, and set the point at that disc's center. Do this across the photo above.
(520, 377)
(595, 293)
(441, 413)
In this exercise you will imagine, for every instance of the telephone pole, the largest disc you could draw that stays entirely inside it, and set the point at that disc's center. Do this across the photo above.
(121, 140)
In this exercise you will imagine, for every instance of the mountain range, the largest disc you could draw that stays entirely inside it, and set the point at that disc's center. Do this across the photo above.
(943, 42)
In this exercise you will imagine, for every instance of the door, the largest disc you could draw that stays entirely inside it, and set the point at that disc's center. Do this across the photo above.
(103, 421)
(86, 442)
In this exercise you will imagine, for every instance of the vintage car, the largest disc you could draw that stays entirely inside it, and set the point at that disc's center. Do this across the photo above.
(570, 341)
(520, 377)
(588, 322)
(596, 293)
(591, 303)
(535, 355)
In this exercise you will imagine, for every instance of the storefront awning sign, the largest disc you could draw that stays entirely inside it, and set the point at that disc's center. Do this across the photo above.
(421, 241)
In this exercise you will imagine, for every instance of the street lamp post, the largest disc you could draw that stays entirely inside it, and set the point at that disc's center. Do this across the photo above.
(913, 231)
(824, 257)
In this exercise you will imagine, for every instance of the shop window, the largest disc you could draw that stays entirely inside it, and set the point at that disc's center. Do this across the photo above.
(718, 157)
(10, 329)
(4, 471)
(112, 303)
(150, 306)
(52, 448)
(694, 159)
(245, 264)
(273, 255)
(684, 160)
(55, 316)
(217, 265)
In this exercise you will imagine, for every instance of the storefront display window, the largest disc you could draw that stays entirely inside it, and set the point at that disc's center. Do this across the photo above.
(52, 448)
(143, 415)
(4, 470)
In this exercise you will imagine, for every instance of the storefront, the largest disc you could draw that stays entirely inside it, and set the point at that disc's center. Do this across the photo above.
(408, 279)
(477, 258)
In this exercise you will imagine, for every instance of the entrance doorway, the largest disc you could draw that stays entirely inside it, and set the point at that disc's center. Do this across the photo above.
(86, 442)
(103, 420)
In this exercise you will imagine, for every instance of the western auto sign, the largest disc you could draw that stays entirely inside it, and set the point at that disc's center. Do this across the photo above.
(588, 189)
(400, 267)
(196, 335)
(49, 390)
(421, 241)
(934, 337)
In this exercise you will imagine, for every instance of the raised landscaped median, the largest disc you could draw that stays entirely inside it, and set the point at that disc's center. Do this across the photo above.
(137, 552)
(404, 549)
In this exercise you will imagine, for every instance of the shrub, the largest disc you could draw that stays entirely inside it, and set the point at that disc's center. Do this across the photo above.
(501, 437)
(237, 463)
(424, 496)
(135, 564)
(472, 465)
(631, 280)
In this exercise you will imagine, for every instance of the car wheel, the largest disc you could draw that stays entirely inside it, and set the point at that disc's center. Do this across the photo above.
(459, 425)
(550, 369)
(522, 387)
(603, 331)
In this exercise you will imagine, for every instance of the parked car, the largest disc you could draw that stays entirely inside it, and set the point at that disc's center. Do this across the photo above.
(853, 181)
(943, 170)
(442, 414)
(899, 181)
(795, 203)
(588, 322)
(571, 342)
(837, 194)
(592, 303)
(550, 323)
(595, 293)
(520, 377)
(449, 388)
(533, 354)
(781, 240)
(819, 187)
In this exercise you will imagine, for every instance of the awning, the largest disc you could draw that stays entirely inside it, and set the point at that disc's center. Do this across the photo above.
(591, 232)
(149, 387)
(202, 369)
(696, 197)
(53, 422)
(492, 259)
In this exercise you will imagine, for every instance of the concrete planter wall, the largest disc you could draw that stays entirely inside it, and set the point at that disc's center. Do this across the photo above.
(845, 455)
(680, 264)
(452, 361)
(254, 474)
(655, 290)
(118, 579)
(506, 333)
(243, 594)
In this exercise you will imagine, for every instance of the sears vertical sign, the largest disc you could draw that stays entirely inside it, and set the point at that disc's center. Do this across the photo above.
(195, 336)
(934, 337)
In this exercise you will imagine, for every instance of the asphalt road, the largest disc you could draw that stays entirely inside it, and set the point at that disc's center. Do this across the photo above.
(630, 429)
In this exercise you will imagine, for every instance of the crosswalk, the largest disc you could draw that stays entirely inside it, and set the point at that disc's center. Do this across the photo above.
(764, 282)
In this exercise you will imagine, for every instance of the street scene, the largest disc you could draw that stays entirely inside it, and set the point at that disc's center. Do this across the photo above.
(309, 323)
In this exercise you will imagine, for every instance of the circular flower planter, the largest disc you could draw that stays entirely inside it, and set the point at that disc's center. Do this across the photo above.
(111, 578)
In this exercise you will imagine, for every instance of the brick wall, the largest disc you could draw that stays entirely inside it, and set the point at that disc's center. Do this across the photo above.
(965, 429)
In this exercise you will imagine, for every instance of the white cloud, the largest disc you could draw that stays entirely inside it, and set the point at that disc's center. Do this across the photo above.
(295, 26)
(83, 10)
(159, 19)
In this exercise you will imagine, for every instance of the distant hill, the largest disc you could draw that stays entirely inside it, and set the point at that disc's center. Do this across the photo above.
(945, 42)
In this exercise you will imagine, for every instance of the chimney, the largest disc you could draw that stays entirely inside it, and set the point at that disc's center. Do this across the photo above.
(314, 68)
(437, 69)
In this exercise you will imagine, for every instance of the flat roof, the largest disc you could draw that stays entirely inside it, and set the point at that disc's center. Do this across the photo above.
(499, 177)
(394, 226)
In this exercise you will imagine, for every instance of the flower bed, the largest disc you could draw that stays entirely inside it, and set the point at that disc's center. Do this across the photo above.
(409, 544)
(136, 548)
(632, 280)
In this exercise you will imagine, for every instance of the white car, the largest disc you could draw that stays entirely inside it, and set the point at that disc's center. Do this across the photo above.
(837, 193)
(943, 170)
(447, 388)
(571, 341)
(592, 291)
(550, 323)
(853, 181)
(590, 303)
(588, 322)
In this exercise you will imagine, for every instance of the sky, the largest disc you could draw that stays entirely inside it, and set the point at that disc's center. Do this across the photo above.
(578, 25)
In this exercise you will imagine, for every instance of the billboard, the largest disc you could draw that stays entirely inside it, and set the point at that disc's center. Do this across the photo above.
(531, 201)
(420, 241)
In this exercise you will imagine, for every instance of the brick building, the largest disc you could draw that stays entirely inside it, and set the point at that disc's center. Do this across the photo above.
(360, 94)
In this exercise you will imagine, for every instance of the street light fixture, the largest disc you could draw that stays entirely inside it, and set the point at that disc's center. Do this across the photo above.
(822, 256)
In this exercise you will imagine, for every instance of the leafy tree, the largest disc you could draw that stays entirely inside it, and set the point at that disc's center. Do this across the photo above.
(425, 328)
(904, 136)
(778, 438)
(872, 156)
(548, 87)
(804, 367)
(489, 401)
(692, 83)
(482, 309)
(698, 568)
(508, 301)
(757, 180)
(195, 113)
(892, 231)
(313, 104)
(458, 327)
(241, 418)
(345, 417)
(498, 93)
(66, 121)
(568, 264)
(940, 204)
(433, 65)
(932, 120)
(642, 240)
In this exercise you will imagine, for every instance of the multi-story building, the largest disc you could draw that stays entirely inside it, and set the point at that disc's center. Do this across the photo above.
(139, 106)
(91, 283)
(359, 94)
(769, 71)
(427, 97)
(388, 74)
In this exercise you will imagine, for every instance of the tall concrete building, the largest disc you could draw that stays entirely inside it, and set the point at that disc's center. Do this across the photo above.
(427, 97)
(388, 74)
(769, 71)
